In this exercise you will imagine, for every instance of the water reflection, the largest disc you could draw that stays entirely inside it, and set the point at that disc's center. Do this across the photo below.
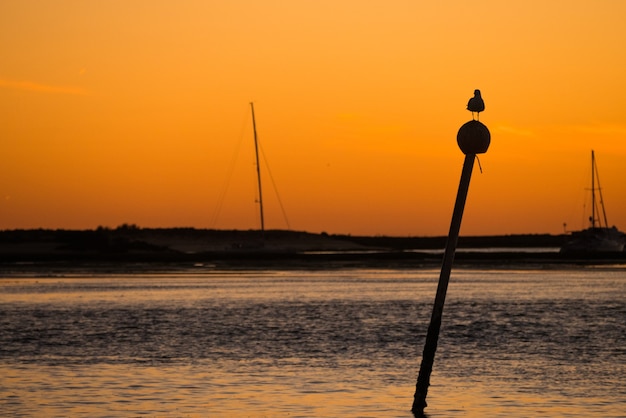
(325, 343)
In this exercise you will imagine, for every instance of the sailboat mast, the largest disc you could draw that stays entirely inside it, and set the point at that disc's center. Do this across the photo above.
(258, 168)
(593, 190)
(606, 223)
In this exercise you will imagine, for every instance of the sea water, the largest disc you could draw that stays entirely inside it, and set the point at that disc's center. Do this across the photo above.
(196, 342)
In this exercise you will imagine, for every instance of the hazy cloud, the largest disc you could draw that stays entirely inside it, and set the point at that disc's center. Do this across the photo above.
(41, 88)
(513, 130)
(602, 129)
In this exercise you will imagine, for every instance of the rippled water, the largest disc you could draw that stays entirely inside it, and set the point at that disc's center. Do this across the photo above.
(198, 342)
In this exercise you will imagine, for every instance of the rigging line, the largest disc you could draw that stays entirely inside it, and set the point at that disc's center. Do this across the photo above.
(254, 185)
(588, 200)
(479, 166)
(229, 174)
(606, 223)
(280, 202)
(593, 221)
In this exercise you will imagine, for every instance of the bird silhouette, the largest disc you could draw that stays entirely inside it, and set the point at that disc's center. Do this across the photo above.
(476, 104)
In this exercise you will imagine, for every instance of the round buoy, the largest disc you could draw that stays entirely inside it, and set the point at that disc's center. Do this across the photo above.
(473, 138)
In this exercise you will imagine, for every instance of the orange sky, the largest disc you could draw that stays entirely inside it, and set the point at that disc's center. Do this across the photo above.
(132, 111)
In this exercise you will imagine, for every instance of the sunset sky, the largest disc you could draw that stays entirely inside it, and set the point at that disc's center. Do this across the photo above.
(137, 112)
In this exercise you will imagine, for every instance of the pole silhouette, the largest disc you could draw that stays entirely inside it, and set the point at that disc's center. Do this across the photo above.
(473, 138)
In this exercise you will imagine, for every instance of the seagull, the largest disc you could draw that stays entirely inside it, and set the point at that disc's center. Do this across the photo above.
(476, 104)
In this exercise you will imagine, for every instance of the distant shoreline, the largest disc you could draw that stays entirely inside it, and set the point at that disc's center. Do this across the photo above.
(143, 247)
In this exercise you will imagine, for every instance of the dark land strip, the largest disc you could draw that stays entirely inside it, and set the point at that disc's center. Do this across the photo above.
(132, 248)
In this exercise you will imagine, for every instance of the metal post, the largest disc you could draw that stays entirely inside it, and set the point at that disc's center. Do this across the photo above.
(428, 357)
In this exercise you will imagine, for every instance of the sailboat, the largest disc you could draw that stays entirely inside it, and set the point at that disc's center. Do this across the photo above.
(258, 241)
(599, 237)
